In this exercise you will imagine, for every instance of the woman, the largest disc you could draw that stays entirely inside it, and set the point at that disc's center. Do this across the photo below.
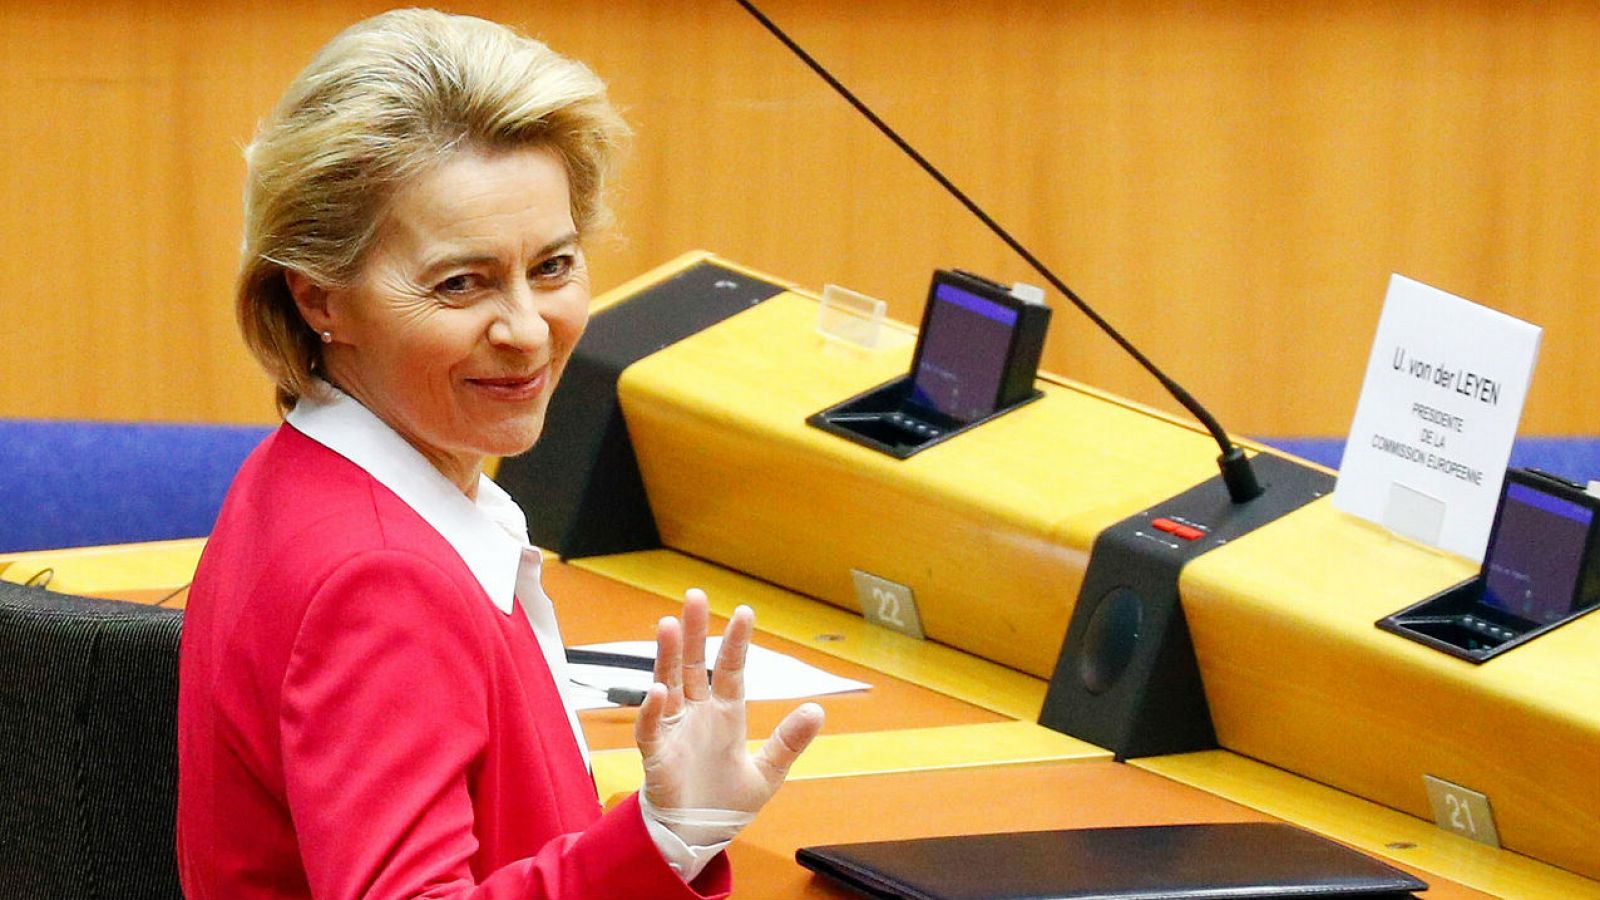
(370, 681)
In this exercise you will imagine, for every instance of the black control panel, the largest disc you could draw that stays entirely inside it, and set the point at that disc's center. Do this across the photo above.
(1127, 678)
(1540, 570)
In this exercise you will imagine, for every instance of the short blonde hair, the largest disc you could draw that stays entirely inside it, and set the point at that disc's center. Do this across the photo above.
(387, 99)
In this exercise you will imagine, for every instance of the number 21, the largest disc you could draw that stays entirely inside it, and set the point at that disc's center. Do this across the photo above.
(1458, 810)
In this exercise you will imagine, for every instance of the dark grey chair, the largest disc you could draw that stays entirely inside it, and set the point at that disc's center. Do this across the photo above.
(88, 747)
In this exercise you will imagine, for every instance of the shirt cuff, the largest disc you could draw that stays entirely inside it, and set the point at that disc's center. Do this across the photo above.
(694, 837)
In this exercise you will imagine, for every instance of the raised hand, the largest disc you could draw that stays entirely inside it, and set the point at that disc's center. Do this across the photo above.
(692, 734)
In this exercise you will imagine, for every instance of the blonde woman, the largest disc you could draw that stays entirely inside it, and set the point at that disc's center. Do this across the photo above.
(370, 679)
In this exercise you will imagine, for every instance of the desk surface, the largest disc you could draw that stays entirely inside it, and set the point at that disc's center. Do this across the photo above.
(593, 608)
(965, 752)
(962, 801)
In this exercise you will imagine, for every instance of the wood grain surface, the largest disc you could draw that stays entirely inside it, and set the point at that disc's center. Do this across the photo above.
(967, 801)
(1231, 182)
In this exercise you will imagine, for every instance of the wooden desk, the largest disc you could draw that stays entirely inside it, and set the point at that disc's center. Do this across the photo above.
(898, 724)
(593, 608)
(903, 722)
(1296, 675)
(1270, 791)
(1376, 829)
(963, 801)
(993, 532)
(143, 572)
(940, 710)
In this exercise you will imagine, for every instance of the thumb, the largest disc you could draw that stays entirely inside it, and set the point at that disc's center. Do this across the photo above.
(792, 736)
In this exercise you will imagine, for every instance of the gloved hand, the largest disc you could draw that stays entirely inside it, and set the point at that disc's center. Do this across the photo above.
(692, 735)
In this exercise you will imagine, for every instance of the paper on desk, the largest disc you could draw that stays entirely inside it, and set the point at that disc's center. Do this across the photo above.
(768, 675)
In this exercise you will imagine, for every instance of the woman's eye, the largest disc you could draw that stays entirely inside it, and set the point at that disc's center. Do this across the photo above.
(455, 285)
(555, 268)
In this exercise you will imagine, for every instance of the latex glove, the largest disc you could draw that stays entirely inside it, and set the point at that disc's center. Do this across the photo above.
(692, 735)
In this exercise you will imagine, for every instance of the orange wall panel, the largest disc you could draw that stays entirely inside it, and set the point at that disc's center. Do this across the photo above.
(1230, 182)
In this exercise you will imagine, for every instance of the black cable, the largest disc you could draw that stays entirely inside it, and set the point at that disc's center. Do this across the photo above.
(581, 657)
(1230, 452)
(614, 660)
(175, 592)
(621, 696)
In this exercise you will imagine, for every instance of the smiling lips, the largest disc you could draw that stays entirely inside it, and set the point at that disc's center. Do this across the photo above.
(512, 388)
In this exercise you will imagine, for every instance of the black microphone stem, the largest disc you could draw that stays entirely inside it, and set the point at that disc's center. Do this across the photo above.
(1237, 474)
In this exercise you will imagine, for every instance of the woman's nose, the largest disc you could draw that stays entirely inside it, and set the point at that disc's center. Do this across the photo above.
(520, 324)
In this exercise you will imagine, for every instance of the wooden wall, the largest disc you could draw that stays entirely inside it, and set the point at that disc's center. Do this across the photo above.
(1232, 182)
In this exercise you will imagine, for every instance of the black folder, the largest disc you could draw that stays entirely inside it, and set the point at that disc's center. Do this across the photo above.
(1162, 862)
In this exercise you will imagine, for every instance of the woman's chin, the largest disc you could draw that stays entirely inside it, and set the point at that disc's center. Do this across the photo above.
(513, 438)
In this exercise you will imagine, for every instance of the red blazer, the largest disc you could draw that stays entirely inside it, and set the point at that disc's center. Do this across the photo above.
(357, 719)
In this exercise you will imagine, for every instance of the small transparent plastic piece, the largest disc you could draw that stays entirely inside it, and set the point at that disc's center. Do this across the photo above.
(851, 318)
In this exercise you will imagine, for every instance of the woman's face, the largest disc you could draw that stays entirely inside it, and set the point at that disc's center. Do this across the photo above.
(467, 309)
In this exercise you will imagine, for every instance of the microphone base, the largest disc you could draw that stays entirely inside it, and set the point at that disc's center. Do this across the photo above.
(1127, 678)
(1239, 476)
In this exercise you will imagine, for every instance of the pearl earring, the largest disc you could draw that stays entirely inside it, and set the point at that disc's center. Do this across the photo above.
(327, 337)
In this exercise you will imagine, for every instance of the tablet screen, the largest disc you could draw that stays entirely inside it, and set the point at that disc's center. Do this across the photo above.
(1532, 566)
(963, 355)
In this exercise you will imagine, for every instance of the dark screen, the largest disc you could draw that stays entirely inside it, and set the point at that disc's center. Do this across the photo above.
(963, 357)
(1531, 570)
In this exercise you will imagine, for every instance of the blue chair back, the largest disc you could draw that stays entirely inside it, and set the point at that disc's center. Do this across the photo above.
(76, 484)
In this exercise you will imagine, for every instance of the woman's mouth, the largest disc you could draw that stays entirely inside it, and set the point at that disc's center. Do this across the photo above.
(511, 388)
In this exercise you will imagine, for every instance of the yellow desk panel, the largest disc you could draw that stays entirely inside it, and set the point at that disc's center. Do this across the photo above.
(881, 752)
(157, 565)
(991, 530)
(1376, 829)
(830, 630)
(1297, 676)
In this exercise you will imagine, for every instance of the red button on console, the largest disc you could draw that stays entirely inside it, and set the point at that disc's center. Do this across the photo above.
(1188, 533)
(1165, 525)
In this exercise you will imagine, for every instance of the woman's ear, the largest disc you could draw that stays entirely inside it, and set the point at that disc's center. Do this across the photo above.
(311, 299)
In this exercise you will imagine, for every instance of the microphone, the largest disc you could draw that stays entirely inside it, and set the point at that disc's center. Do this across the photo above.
(1237, 473)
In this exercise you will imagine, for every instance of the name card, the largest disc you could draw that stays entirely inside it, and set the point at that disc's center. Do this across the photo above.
(1438, 412)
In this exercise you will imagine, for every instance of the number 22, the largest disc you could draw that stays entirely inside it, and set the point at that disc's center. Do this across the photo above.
(888, 606)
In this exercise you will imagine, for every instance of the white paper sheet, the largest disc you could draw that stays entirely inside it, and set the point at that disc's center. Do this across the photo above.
(1438, 412)
(768, 675)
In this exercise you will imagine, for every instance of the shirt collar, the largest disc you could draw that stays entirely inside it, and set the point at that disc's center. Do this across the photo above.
(489, 534)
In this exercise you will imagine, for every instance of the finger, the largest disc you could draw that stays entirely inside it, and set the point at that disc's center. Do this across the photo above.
(792, 736)
(695, 615)
(647, 727)
(669, 662)
(727, 679)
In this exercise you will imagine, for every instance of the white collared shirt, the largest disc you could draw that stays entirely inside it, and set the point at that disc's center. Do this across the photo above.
(490, 533)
